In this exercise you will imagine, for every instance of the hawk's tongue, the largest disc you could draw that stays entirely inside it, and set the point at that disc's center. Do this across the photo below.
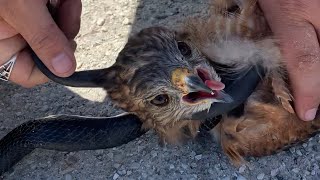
(214, 85)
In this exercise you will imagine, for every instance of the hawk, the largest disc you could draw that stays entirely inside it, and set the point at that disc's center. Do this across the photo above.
(165, 76)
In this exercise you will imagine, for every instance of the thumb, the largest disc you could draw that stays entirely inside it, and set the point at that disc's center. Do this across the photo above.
(34, 22)
(307, 99)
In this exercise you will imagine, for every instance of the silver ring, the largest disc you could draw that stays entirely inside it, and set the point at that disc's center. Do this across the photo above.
(5, 69)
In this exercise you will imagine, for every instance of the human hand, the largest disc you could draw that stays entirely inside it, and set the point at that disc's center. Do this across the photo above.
(296, 24)
(50, 36)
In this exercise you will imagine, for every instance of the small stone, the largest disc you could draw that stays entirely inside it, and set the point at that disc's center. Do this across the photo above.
(193, 154)
(18, 113)
(129, 172)
(307, 173)
(226, 178)
(296, 170)
(242, 169)
(100, 21)
(171, 166)
(68, 177)
(135, 165)
(126, 21)
(298, 152)
(44, 108)
(71, 160)
(110, 155)
(184, 166)
(122, 172)
(251, 167)
(304, 145)
(144, 175)
(211, 171)
(100, 151)
(317, 157)
(313, 172)
(239, 177)
(154, 154)
(274, 172)
(292, 150)
(115, 176)
(194, 165)
(198, 157)
(260, 176)
(116, 165)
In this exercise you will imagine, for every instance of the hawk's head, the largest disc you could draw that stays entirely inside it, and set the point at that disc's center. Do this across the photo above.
(162, 77)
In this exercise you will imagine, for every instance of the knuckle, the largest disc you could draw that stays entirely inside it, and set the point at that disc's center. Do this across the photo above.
(299, 10)
(306, 61)
(45, 38)
(295, 10)
(5, 7)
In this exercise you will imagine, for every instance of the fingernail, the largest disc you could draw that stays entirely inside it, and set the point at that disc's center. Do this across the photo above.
(311, 114)
(61, 63)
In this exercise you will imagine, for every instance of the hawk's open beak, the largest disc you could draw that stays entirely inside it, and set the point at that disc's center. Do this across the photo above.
(195, 84)
(200, 87)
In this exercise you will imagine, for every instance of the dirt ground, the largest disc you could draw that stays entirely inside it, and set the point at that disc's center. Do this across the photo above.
(106, 25)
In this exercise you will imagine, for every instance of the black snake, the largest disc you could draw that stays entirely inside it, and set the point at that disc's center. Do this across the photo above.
(75, 133)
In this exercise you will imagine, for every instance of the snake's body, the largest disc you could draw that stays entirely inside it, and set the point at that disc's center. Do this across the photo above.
(67, 133)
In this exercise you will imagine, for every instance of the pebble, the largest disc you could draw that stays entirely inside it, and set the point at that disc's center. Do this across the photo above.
(154, 154)
(226, 178)
(193, 154)
(184, 166)
(198, 157)
(144, 175)
(194, 165)
(211, 171)
(242, 169)
(239, 177)
(100, 21)
(304, 145)
(274, 172)
(122, 172)
(110, 155)
(126, 21)
(100, 151)
(18, 113)
(116, 165)
(135, 165)
(171, 166)
(129, 172)
(115, 176)
(298, 152)
(68, 177)
(260, 176)
(307, 173)
(295, 170)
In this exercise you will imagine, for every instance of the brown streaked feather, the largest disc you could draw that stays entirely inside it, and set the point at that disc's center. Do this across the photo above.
(264, 129)
(281, 91)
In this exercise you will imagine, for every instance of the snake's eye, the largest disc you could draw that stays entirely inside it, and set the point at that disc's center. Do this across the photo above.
(160, 100)
(184, 48)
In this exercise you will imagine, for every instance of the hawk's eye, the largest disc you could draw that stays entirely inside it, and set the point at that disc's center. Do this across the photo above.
(184, 48)
(233, 9)
(160, 100)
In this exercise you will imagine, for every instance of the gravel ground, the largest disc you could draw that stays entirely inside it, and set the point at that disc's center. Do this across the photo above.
(105, 28)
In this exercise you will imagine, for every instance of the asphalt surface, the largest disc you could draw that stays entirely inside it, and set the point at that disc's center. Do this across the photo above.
(105, 28)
